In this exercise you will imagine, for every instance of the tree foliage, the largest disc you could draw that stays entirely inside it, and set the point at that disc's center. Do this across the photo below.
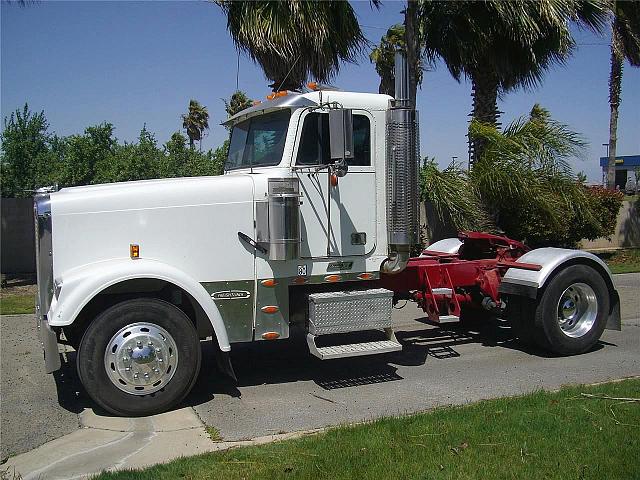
(293, 40)
(383, 56)
(502, 45)
(32, 157)
(195, 122)
(523, 186)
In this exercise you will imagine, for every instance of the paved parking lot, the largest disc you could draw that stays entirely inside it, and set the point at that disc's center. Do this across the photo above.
(282, 388)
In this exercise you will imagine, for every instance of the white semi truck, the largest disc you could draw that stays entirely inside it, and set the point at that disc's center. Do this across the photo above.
(310, 226)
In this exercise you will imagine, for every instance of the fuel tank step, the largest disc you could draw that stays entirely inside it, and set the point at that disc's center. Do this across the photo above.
(353, 349)
(349, 311)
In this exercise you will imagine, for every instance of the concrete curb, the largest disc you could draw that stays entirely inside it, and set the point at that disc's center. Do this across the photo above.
(114, 443)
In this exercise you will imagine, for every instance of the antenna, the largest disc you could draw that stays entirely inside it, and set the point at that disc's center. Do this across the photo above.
(287, 75)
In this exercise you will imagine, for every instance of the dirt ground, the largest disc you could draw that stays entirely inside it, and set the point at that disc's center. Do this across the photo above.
(18, 285)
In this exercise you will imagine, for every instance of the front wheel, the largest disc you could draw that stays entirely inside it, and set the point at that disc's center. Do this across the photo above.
(568, 317)
(139, 357)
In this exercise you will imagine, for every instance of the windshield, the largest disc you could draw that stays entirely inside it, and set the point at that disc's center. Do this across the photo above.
(258, 141)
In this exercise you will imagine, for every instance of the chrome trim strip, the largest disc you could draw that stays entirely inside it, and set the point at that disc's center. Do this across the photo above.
(44, 252)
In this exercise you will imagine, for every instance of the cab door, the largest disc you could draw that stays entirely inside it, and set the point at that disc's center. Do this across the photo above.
(337, 220)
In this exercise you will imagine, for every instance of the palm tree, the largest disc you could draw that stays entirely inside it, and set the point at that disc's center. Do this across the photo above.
(625, 44)
(383, 56)
(293, 40)
(502, 45)
(195, 122)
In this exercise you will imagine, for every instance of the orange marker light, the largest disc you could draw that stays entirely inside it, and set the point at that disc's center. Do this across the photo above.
(134, 250)
(271, 96)
(269, 282)
(256, 102)
(365, 276)
(269, 309)
(299, 280)
(281, 93)
(334, 180)
(313, 85)
(270, 335)
(332, 278)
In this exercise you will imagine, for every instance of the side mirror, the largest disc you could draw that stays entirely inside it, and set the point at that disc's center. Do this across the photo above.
(341, 138)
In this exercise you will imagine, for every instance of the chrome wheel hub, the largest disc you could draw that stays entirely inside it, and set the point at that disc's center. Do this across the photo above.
(141, 358)
(577, 310)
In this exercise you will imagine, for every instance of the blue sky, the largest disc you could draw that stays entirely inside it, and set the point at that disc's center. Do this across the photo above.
(130, 63)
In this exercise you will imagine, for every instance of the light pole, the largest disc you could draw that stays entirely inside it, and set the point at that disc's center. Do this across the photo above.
(605, 170)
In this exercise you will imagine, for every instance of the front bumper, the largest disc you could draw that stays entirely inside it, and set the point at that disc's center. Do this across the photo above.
(49, 341)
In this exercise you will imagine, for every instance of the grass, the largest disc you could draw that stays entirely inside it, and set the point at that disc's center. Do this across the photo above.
(14, 304)
(214, 433)
(560, 435)
(622, 261)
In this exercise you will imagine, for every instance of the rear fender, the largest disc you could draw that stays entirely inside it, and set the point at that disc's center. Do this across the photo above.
(529, 283)
(79, 286)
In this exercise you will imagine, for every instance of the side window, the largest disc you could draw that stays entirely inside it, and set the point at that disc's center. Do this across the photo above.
(314, 141)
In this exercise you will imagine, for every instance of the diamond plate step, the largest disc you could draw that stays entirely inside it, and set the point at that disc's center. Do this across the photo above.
(353, 349)
(447, 319)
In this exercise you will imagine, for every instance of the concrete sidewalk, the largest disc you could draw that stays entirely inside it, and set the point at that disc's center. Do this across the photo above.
(112, 443)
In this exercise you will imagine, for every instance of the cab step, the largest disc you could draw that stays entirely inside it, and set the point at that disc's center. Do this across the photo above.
(345, 312)
(353, 349)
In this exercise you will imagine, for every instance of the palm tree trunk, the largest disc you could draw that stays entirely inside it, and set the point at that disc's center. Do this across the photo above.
(485, 106)
(191, 143)
(413, 46)
(615, 87)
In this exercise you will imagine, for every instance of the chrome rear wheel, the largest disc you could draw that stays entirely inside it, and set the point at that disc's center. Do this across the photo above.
(577, 310)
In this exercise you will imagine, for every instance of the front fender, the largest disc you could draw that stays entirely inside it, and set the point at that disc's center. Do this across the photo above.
(528, 282)
(80, 285)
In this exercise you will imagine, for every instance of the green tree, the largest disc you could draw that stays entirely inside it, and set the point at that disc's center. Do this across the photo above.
(383, 56)
(27, 158)
(625, 45)
(195, 122)
(238, 102)
(522, 186)
(502, 45)
(293, 40)
(83, 156)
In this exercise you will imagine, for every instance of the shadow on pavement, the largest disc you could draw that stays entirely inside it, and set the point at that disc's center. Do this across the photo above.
(288, 360)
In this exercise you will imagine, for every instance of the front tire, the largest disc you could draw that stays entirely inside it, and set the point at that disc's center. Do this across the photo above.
(139, 357)
(568, 317)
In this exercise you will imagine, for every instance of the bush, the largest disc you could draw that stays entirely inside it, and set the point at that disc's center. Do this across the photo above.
(523, 186)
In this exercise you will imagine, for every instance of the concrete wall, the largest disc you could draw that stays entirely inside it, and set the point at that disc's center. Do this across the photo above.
(627, 232)
(18, 231)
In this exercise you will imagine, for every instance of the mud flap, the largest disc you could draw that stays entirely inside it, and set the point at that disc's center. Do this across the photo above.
(223, 361)
(614, 322)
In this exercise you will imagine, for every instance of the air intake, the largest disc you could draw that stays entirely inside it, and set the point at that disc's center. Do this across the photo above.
(402, 172)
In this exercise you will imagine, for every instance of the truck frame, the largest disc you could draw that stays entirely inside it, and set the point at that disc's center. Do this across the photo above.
(311, 227)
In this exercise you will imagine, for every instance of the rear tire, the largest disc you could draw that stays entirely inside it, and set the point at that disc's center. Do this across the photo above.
(149, 338)
(569, 315)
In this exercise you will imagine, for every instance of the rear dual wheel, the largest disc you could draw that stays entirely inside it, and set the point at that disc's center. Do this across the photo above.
(569, 315)
(139, 357)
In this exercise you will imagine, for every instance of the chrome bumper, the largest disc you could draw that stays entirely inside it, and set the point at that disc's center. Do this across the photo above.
(49, 341)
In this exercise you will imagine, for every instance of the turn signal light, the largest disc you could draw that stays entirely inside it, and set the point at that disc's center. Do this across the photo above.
(134, 250)
(332, 278)
(269, 282)
(269, 309)
(270, 335)
(365, 276)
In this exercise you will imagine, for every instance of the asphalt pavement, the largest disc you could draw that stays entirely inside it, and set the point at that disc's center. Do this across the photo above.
(282, 388)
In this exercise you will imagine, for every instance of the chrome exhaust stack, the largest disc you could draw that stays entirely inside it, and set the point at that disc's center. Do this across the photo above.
(403, 154)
